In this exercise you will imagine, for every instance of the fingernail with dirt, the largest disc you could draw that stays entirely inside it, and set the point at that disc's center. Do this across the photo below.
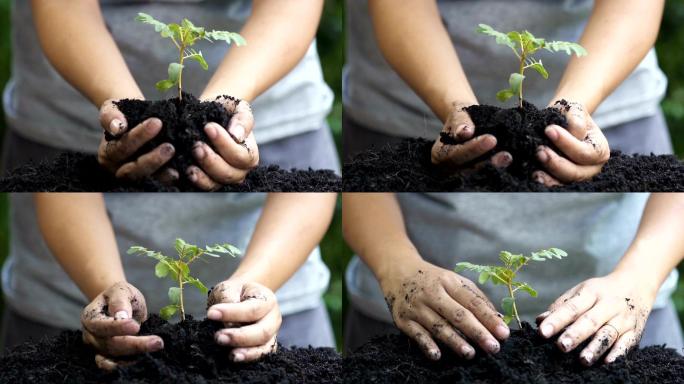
(238, 132)
(213, 314)
(192, 176)
(565, 343)
(588, 358)
(116, 126)
(463, 132)
(493, 346)
(121, 315)
(435, 354)
(168, 149)
(467, 351)
(546, 330)
(238, 357)
(155, 345)
(502, 332)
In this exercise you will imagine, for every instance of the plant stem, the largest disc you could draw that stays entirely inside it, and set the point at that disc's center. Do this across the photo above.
(522, 71)
(180, 73)
(180, 301)
(515, 308)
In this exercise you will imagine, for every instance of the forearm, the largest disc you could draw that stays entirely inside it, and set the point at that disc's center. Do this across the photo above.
(373, 227)
(278, 34)
(289, 229)
(658, 245)
(415, 43)
(77, 43)
(79, 234)
(618, 36)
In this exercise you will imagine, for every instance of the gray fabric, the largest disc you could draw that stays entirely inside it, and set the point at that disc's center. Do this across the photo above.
(446, 228)
(376, 96)
(662, 328)
(43, 107)
(311, 327)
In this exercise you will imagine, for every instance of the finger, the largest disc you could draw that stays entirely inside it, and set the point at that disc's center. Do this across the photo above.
(580, 152)
(247, 311)
(541, 317)
(475, 303)
(244, 355)
(126, 345)
(216, 167)
(223, 292)
(566, 313)
(502, 160)
(444, 332)
(467, 324)
(96, 321)
(105, 363)
(167, 176)
(112, 120)
(416, 332)
(565, 170)
(252, 335)
(122, 149)
(201, 179)
(627, 341)
(243, 155)
(574, 116)
(460, 154)
(604, 339)
(585, 326)
(544, 178)
(147, 164)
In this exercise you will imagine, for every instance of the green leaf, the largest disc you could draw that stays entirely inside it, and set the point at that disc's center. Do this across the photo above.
(161, 269)
(198, 284)
(180, 245)
(504, 95)
(507, 305)
(501, 38)
(184, 269)
(228, 37)
(158, 25)
(484, 276)
(525, 287)
(165, 85)
(568, 48)
(136, 249)
(168, 311)
(174, 295)
(515, 81)
(539, 67)
(197, 56)
(175, 72)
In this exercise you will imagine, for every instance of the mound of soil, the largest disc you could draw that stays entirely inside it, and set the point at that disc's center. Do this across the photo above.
(190, 355)
(524, 358)
(406, 167)
(78, 172)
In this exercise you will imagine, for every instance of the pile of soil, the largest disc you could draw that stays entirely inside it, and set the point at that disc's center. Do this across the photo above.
(79, 172)
(190, 355)
(525, 357)
(407, 167)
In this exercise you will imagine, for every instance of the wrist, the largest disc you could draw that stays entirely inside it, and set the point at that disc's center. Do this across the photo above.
(405, 260)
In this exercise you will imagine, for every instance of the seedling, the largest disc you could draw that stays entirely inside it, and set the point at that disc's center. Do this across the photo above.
(525, 45)
(179, 270)
(184, 36)
(506, 274)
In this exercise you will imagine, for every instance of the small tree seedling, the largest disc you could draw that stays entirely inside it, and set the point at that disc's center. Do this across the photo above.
(506, 274)
(525, 45)
(179, 270)
(184, 36)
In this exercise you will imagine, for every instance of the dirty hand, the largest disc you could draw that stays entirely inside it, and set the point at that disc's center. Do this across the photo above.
(115, 155)
(429, 303)
(612, 310)
(463, 149)
(236, 149)
(583, 143)
(251, 315)
(112, 321)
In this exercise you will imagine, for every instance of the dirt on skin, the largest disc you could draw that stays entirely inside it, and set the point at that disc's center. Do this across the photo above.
(525, 357)
(190, 355)
(80, 172)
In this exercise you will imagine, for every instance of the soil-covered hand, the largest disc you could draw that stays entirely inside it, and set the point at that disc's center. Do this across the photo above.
(236, 151)
(115, 155)
(583, 143)
(251, 316)
(456, 149)
(611, 310)
(112, 321)
(429, 303)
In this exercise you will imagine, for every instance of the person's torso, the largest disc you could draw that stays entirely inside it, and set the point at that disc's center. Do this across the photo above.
(375, 96)
(37, 287)
(41, 106)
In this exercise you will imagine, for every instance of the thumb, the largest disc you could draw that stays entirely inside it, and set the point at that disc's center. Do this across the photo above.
(458, 127)
(112, 119)
(118, 300)
(242, 122)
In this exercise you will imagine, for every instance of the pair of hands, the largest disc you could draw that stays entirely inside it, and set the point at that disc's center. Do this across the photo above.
(235, 155)
(431, 304)
(114, 333)
(584, 145)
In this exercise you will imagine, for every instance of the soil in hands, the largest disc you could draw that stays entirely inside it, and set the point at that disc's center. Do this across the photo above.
(190, 355)
(525, 357)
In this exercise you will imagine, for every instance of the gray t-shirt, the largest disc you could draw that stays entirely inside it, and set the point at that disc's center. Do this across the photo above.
(375, 96)
(36, 287)
(595, 230)
(43, 107)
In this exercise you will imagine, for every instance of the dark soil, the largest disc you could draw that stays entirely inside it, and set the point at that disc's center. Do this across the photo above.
(189, 356)
(407, 167)
(524, 358)
(78, 172)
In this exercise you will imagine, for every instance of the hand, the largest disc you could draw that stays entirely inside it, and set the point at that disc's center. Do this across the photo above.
(583, 143)
(115, 155)
(428, 303)
(236, 149)
(463, 148)
(112, 332)
(251, 315)
(612, 310)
